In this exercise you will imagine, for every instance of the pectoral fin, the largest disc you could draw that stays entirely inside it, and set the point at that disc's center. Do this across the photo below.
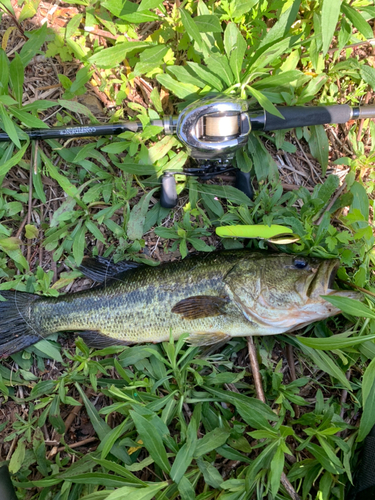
(200, 306)
(207, 338)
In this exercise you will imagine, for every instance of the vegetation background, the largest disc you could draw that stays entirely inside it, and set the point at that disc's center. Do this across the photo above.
(160, 421)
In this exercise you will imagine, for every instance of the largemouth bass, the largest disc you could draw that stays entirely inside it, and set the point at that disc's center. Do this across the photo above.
(212, 297)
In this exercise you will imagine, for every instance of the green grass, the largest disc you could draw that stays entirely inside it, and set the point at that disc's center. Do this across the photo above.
(160, 421)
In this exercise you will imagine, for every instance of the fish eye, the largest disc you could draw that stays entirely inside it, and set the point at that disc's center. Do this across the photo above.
(300, 263)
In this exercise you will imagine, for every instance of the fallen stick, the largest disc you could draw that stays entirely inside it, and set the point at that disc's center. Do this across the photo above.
(260, 395)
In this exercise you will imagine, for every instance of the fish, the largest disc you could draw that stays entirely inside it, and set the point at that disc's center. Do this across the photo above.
(212, 297)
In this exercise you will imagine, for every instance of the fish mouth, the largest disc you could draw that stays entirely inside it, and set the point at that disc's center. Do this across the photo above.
(323, 281)
(332, 274)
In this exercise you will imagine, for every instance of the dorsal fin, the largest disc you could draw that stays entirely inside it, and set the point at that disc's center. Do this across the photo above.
(101, 269)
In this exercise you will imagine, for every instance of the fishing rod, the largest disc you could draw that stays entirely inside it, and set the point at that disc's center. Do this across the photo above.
(213, 129)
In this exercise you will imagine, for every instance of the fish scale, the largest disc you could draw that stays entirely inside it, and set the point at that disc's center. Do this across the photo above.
(136, 306)
(212, 298)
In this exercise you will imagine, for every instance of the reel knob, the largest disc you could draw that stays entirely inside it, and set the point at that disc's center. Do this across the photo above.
(168, 195)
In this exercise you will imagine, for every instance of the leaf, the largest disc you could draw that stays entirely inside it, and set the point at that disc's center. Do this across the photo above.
(253, 405)
(186, 489)
(208, 24)
(253, 418)
(27, 119)
(14, 160)
(154, 54)
(205, 75)
(264, 101)
(32, 46)
(264, 165)
(368, 75)
(9, 127)
(329, 18)
(357, 20)
(55, 416)
(360, 202)
(149, 4)
(276, 469)
(319, 146)
(18, 457)
(138, 217)
(140, 17)
(241, 7)
(212, 440)
(181, 90)
(161, 148)
(261, 462)
(350, 306)
(277, 80)
(183, 74)
(326, 363)
(137, 493)
(218, 64)
(319, 453)
(47, 348)
(280, 29)
(368, 398)
(323, 192)
(151, 440)
(73, 25)
(230, 193)
(102, 428)
(79, 245)
(4, 72)
(94, 230)
(11, 243)
(211, 475)
(83, 76)
(28, 11)
(339, 341)
(109, 58)
(191, 28)
(182, 461)
(119, 469)
(8, 5)
(77, 107)
(39, 105)
(63, 181)
(16, 73)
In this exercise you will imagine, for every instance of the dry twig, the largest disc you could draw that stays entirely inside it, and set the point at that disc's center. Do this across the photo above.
(260, 395)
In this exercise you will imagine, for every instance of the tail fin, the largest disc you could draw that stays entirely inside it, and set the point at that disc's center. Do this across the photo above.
(16, 329)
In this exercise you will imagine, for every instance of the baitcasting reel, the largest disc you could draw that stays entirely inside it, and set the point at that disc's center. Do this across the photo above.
(213, 129)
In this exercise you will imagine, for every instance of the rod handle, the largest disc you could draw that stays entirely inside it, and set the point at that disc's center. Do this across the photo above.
(301, 116)
(365, 112)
